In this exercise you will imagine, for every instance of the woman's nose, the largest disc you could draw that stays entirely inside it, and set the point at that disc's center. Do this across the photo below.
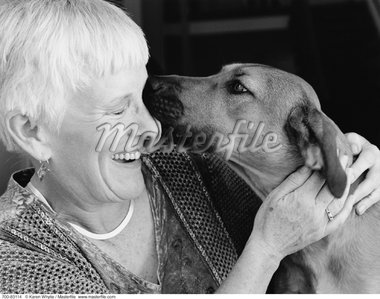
(147, 123)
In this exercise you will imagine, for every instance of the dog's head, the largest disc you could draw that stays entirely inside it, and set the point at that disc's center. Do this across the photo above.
(278, 104)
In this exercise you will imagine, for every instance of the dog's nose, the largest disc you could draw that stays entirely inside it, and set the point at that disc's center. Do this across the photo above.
(164, 83)
(153, 87)
(160, 97)
(154, 83)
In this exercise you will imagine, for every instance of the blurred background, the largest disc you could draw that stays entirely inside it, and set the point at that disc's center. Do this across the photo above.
(332, 44)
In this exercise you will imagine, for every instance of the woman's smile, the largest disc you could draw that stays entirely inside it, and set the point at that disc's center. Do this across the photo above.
(127, 160)
(125, 157)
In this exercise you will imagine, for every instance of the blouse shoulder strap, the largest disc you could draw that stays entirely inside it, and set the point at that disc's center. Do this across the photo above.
(184, 186)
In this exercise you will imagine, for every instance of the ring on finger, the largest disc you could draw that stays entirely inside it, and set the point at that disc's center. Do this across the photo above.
(329, 215)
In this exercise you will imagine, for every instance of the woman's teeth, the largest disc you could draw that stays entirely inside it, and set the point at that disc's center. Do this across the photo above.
(126, 156)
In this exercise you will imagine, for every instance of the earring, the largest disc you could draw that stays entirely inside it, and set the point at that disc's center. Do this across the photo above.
(43, 170)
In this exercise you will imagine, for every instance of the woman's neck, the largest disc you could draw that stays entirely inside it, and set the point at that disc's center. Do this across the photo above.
(80, 209)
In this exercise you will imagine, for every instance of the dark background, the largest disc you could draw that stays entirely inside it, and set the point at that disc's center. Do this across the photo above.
(332, 44)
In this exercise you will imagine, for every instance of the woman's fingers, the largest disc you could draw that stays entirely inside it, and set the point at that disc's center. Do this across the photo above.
(367, 159)
(329, 202)
(369, 187)
(347, 204)
(292, 182)
(365, 188)
(313, 185)
(341, 217)
(369, 154)
(367, 202)
(325, 197)
(367, 192)
(356, 142)
(303, 176)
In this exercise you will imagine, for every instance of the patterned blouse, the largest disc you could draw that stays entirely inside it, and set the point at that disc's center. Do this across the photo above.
(203, 215)
(39, 253)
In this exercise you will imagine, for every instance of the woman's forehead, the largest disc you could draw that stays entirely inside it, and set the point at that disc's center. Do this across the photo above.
(112, 89)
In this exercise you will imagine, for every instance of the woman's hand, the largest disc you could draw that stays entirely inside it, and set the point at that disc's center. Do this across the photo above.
(294, 214)
(368, 192)
(292, 217)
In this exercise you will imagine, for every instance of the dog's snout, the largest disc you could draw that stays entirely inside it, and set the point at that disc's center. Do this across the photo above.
(160, 97)
(154, 83)
(164, 83)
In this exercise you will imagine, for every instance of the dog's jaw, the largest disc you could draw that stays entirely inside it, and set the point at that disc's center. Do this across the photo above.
(263, 171)
(248, 177)
(261, 182)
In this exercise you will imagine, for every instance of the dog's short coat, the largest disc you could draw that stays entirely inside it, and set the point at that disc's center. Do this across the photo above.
(347, 261)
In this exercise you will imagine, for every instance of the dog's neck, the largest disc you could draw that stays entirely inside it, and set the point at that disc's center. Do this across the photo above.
(261, 181)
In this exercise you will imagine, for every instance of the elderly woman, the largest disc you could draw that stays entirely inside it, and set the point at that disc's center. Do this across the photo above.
(87, 219)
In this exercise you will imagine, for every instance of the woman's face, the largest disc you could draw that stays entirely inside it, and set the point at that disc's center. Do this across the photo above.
(78, 164)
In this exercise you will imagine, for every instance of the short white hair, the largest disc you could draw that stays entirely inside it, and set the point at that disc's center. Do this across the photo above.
(51, 48)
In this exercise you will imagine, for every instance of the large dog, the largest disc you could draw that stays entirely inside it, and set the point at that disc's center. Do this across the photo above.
(286, 111)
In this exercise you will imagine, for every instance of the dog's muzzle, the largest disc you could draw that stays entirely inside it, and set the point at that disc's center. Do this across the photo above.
(160, 99)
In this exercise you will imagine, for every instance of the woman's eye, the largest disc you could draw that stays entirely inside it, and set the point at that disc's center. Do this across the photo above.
(118, 112)
(238, 88)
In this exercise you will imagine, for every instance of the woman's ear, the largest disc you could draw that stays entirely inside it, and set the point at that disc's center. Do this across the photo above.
(28, 136)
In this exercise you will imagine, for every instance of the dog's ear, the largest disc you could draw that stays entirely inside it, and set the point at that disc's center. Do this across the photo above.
(321, 143)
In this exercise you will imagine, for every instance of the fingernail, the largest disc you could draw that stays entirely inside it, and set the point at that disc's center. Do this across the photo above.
(354, 148)
(360, 209)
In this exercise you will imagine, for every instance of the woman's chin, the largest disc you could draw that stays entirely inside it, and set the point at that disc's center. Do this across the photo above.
(125, 180)
(131, 188)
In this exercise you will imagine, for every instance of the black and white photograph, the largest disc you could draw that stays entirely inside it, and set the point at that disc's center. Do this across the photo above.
(189, 147)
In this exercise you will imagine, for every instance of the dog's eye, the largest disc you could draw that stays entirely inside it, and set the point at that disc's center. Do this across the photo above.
(238, 88)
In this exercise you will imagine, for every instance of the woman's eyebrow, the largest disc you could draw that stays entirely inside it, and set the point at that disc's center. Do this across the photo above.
(116, 101)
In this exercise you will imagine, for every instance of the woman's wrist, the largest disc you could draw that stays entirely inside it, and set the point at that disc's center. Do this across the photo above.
(253, 271)
(269, 254)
